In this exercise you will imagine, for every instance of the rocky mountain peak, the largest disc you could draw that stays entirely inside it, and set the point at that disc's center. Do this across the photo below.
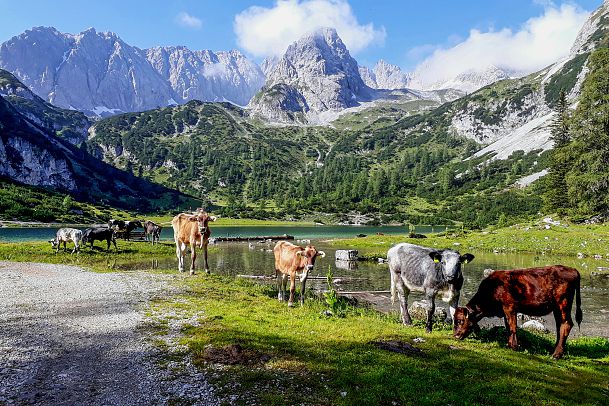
(318, 72)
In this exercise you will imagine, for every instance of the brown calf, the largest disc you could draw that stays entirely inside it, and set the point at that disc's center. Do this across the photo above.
(193, 230)
(533, 291)
(290, 259)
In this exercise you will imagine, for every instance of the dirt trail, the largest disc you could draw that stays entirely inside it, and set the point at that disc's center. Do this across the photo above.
(68, 336)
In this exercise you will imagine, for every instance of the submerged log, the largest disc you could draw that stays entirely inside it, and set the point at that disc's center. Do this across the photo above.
(284, 237)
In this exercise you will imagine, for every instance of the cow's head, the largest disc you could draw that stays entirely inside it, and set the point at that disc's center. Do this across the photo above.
(202, 219)
(54, 242)
(450, 261)
(307, 259)
(464, 323)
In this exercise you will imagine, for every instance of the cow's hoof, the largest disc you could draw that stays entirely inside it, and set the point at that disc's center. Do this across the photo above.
(427, 330)
(290, 304)
(207, 271)
(557, 355)
(192, 271)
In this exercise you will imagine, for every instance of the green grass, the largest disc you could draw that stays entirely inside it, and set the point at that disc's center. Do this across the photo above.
(297, 356)
(569, 240)
(96, 259)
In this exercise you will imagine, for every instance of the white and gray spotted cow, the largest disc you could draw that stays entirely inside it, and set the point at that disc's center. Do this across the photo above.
(426, 270)
(64, 235)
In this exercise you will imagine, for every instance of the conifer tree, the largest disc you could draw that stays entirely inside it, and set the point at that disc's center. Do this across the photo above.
(555, 184)
(588, 176)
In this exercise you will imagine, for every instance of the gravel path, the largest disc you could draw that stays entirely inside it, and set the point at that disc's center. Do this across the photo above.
(72, 337)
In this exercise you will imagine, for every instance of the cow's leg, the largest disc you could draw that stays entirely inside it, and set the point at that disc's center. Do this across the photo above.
(292, 289)
(114, 242)
(430, 296)
(302, 290)
(205, 242)
(512, 322)
(193, 256)
(180, 255)
(453, 302)
(65, 247)
(279, 277)
(284, 286)
(566, 323)
(403, 293)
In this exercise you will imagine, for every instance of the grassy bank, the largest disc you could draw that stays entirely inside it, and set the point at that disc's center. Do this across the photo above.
(259, 351)
(222, 221)
(96, 259)
(571, 240)
(262, 352)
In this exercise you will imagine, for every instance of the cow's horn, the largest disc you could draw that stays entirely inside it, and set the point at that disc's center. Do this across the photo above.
(321, 254)
(213, 218)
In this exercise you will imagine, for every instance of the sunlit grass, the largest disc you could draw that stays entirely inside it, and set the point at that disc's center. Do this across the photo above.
(309, 358)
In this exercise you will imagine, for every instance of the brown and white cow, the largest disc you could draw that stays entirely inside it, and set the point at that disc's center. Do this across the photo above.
(290, 259)
(193, 230)
(533, 291)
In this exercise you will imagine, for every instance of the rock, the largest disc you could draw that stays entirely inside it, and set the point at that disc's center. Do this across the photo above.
(487, 272)
(535, 325)
(580, 255)
(418, 310)
(415, 235)
(418, 340)
(346, 255)
(382, 260)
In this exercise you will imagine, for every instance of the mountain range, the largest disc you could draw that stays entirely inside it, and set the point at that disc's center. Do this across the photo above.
(99, 74)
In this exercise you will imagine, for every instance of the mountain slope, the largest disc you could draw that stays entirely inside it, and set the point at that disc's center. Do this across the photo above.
(32, 155)
(68, 124)
(99, 74)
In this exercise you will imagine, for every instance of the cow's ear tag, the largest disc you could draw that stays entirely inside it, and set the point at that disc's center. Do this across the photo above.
(466, 261)
(436, 260)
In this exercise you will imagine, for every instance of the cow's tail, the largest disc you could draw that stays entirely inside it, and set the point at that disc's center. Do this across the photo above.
(578, 303)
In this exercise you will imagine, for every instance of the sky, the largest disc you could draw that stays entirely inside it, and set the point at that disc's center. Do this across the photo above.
(433, 36)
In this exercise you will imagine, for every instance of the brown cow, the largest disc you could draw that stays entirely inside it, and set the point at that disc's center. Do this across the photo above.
(533, 291)
(193, 230)
(289, 259)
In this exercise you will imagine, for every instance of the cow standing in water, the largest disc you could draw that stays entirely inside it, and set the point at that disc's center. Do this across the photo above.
(289, 259)
(193, 230)
(534, 292)
(426, 270)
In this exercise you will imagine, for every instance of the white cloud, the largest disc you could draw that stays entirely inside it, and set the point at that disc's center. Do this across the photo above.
(186, 20)
(538, 43)
(268, 31)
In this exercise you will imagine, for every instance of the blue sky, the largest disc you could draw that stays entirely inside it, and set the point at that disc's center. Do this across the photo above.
(401, 32)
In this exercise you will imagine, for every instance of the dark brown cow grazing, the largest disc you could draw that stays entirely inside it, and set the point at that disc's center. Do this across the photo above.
(289, 259)
(533, 291)
(193, 230)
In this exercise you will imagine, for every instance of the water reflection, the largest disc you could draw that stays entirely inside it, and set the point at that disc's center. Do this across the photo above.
(257, 259)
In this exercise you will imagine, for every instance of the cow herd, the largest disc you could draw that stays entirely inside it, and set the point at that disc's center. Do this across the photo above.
(108, 233)
(504, 294)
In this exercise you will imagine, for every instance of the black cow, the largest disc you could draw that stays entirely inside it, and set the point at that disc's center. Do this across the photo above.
(99, 234)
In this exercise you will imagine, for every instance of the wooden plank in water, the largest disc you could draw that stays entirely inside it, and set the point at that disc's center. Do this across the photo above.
(314, 278)
(284, 237)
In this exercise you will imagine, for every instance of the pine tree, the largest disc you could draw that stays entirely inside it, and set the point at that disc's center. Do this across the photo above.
(555, 184)
(588, 176)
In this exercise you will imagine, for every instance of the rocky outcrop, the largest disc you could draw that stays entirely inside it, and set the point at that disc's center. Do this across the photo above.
(316, 74)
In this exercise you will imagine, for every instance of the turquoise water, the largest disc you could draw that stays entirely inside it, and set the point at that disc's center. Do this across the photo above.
(299, 232)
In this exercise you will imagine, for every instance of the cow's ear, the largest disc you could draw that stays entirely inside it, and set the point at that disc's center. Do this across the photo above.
(467, 258)
(436, 256)
(465, 313)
